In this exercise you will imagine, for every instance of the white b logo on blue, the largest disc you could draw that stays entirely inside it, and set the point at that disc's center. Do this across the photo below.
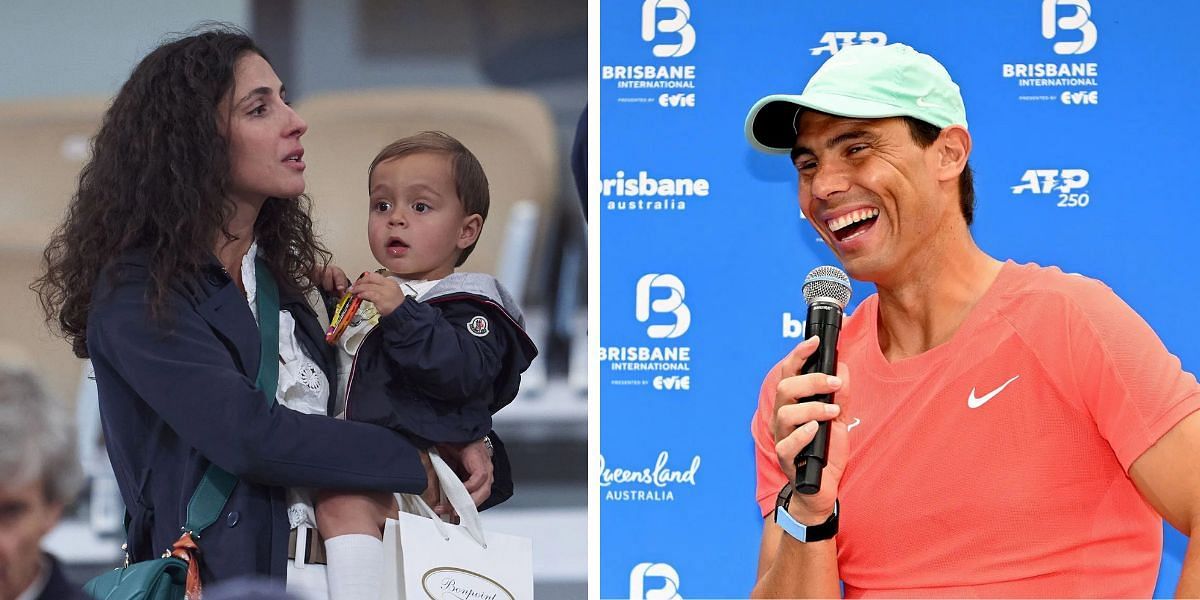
(1081, 21)
(672, 304)
(676, 24)
(670, 583)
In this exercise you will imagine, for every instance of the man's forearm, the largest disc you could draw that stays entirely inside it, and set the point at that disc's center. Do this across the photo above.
(800, 570)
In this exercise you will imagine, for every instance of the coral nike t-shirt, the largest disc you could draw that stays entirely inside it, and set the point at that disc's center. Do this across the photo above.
(995, 464)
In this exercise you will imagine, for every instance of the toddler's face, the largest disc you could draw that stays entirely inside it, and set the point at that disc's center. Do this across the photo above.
(417, 226)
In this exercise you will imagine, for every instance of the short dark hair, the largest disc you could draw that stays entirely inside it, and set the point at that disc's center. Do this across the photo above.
(470, 182)
(924, 134)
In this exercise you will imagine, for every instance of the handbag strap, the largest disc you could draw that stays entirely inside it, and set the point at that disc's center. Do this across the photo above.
(268, 354)
(217, 484)
(454, 491)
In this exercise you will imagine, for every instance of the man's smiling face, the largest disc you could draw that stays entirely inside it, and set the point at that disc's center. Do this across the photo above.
(869, 190)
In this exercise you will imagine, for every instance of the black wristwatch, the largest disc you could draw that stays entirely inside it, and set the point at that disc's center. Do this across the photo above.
(798, 530)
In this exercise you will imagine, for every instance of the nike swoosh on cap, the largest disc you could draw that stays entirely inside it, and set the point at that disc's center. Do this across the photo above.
(973, 402)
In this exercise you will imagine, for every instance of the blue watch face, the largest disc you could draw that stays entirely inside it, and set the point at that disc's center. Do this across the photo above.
(790, 525)
(800, 531)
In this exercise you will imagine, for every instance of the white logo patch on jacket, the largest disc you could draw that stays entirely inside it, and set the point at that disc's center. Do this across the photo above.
(478, 326)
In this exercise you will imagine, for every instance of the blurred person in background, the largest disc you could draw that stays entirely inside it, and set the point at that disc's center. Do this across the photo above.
(39, 476)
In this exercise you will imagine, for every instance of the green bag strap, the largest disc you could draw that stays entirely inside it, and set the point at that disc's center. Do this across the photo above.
(217, 484)
(268, 355)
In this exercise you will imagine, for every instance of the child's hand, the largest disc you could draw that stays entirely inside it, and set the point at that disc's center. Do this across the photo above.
(383, 292)
(332, 279)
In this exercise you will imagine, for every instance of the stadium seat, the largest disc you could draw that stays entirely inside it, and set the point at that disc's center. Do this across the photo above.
(43, 145)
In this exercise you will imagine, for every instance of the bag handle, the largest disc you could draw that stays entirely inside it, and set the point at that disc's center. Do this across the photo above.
(459, 498)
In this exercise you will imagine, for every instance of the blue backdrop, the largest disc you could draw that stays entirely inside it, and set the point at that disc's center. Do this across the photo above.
(703, 249)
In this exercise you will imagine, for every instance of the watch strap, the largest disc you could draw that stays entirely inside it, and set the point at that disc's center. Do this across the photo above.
(804, 533)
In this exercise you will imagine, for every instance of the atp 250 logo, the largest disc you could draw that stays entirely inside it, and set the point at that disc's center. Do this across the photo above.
(833, 41)
(1069, 184)
(671, 305)
(1080, 20)
(676, 24)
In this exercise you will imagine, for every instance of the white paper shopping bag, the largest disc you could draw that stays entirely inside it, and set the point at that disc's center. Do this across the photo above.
(425, 558)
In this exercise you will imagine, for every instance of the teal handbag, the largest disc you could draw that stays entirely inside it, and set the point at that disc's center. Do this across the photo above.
(176, 576)
(159, 579)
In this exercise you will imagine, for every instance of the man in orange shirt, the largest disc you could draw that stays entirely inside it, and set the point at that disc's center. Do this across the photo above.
(1013, 430)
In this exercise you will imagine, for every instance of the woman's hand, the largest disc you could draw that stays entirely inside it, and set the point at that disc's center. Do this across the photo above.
(332, 279)
(473, 463)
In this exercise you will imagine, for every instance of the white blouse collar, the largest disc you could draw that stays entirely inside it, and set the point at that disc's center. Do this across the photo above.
(249, 281)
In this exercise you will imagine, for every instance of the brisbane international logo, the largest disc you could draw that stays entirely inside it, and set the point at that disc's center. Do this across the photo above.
(660, 574)
(667, 30)
(659, 303)
(1066, 79)
(672, 305)
(1080, 20)
(677, 24)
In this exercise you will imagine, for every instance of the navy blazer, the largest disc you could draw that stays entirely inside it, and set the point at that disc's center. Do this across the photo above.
(178, 392)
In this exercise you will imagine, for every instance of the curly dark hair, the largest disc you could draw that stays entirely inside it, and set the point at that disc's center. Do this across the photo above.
(157, 181)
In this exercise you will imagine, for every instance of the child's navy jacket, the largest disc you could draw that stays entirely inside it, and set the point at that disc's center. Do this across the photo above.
(441, 364)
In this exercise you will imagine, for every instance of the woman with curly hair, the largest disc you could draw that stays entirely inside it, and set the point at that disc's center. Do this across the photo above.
(194, 187)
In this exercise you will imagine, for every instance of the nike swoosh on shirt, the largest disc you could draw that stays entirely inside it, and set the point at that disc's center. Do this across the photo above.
(973, 402)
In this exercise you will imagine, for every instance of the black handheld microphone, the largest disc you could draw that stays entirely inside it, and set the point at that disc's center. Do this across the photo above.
(827, 291)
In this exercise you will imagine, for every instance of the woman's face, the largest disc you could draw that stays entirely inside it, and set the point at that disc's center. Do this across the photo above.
(265, 155)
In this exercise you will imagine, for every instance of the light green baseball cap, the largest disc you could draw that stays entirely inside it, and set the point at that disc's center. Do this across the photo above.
(864, 82)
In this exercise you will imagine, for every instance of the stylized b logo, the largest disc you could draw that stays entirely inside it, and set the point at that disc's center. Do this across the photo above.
(1081, 20)
(637, 582)
(677, 24)
(671, 304)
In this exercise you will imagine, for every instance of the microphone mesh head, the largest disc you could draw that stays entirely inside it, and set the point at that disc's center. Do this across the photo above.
(827, 282)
